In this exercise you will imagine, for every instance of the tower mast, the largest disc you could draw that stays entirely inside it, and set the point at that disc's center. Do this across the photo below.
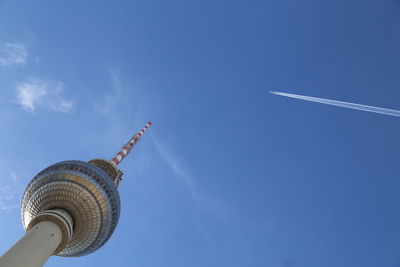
(127, 148)
(111, 166)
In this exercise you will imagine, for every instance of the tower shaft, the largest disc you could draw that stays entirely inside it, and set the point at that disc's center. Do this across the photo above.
(35, 247)
(48, 233)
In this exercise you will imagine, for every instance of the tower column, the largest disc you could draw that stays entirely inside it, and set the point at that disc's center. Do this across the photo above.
(46, 234)
(35, 247)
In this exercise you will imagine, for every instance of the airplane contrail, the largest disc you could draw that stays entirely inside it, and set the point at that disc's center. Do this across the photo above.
(385, 111)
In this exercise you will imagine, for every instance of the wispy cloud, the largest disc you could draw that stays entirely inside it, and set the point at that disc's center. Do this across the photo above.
(36, 93)
(203, 204)
(7, 198)
(176, 166)
(109, 101)
(206, 207)
(10, 190)
(13, 54)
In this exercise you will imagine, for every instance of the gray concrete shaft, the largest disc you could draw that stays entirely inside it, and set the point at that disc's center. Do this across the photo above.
(35, 247)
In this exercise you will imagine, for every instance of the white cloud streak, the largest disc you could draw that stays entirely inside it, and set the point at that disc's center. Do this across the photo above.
(13, 54)
(176, 166)
(204, 204)
(36, 93)
(384, 111)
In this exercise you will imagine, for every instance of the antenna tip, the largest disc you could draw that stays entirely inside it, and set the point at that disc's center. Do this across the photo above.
(150, 123)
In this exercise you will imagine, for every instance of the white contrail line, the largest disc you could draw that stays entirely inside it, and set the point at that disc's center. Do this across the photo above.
(385, 111)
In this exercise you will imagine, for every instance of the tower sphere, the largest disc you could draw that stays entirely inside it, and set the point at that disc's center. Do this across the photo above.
(87, 192)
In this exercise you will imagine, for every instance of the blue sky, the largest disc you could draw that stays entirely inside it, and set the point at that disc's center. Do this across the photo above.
(228, 175)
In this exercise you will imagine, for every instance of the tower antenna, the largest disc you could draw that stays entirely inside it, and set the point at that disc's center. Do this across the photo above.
(128, 147)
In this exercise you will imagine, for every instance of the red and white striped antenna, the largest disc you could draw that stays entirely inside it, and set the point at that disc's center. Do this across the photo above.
(127, 148)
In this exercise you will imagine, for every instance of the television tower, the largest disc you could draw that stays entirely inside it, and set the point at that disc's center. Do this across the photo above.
(69, 209)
